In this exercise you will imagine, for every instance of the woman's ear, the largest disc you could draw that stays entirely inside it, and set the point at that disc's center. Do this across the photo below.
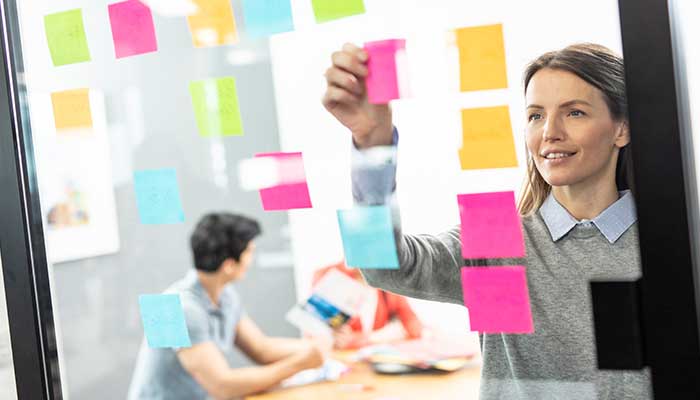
(622, 136)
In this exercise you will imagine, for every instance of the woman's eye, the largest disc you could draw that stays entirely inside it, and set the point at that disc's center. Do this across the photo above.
(533, 117)
(576, 113)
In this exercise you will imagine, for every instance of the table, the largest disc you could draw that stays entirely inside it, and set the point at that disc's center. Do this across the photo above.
(459, 385)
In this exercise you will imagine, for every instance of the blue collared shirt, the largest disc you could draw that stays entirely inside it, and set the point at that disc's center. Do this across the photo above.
(612, 222)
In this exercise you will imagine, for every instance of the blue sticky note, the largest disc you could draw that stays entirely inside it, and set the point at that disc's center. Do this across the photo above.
(368, 237)
(164, 321)
(266, 17)
(158, 196)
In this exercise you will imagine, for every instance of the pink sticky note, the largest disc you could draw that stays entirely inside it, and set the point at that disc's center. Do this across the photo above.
(382, 78)
(285, 196)
(132, 28)
(490, 226)
(498, 299)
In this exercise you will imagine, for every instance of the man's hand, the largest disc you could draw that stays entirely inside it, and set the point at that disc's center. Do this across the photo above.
(346, 99)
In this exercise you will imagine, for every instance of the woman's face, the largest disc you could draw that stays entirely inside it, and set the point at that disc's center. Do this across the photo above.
(570, 132)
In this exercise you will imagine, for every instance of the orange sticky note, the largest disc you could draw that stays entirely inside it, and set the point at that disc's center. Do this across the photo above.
(71, 109)
(482, 58)
(487, 139)
(213, 24)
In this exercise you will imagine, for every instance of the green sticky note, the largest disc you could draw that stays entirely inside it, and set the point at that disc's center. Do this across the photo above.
(216, 109)
(328, 10)
(65, 33)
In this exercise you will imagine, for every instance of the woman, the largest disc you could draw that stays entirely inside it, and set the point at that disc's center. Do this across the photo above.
(390, 318)
(578, 225)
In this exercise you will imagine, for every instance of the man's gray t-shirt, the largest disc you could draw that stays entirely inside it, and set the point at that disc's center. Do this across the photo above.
(158, 373)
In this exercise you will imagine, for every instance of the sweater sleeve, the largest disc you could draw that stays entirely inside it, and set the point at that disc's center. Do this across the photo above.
(429, 268)
(429, 264)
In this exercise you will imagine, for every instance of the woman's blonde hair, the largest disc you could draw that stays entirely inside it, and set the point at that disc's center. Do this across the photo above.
(600, 67)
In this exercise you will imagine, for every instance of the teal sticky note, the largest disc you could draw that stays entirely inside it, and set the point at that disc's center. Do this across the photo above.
(328, 10)
(266, 17)
(158, 197)
(163, 321)
(65, 33)
(368, 237)
(216, 108)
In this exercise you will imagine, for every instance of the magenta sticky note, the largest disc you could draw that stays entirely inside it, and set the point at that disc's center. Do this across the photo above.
(491, 226)
(498, 299)
(133, 31)
(286, 196)
(382, 79)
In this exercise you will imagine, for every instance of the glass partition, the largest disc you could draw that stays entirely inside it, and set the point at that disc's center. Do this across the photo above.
(146, 116)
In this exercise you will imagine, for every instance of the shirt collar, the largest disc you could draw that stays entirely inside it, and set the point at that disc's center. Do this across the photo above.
(612, 222)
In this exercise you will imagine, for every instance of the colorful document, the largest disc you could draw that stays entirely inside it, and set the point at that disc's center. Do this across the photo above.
(498, 299)
(329, 10)
(290, 194)
(158, 196)
(491, 226)
(267, 17)
(368, 237)
(213, 24)
(163, 320)
(133, 31)
(487, 139)
(216, 107)
(482, 58)
(71, 109)
(382, 80)
(65, 33)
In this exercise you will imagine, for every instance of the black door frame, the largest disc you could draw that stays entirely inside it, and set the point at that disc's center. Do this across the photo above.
(25, 267)
(669, 305)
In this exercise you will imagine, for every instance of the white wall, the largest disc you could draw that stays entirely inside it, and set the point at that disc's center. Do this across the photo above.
(429, 175)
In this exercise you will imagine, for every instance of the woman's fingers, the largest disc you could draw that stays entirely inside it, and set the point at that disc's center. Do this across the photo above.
(351, 61)
(335, 96)
(343, 79)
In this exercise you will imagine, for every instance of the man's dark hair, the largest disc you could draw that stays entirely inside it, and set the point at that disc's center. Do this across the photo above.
(219, 236)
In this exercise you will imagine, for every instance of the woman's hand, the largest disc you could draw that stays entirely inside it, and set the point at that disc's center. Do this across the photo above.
(346, 99)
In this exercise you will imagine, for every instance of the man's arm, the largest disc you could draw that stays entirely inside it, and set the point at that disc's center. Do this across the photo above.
(264, 349)
(210, 369)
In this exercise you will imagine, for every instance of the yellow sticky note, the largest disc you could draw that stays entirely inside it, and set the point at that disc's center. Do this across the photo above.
(482, 58)
(71, 109)
(487, 139)
(213, 24)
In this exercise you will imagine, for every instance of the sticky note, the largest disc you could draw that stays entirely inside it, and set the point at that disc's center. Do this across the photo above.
(498, 299)
(163, 321)
(491, 226)
(158, 196)
(266, 17)
(285, 196)
(482, 58)
(65, 34)
(382, 79)
(487, 139)
(133, 31)
(368, 237)
(328, 10)
(213, 24)
(216, 107)
(71, 109)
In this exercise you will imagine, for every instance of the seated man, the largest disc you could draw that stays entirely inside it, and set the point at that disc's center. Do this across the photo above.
(222, 246)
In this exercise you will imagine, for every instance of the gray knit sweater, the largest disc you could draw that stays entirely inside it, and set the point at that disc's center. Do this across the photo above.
(558, 361)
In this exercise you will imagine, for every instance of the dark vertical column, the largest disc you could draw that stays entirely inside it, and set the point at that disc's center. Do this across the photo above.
(669, 308)
(22, 246)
